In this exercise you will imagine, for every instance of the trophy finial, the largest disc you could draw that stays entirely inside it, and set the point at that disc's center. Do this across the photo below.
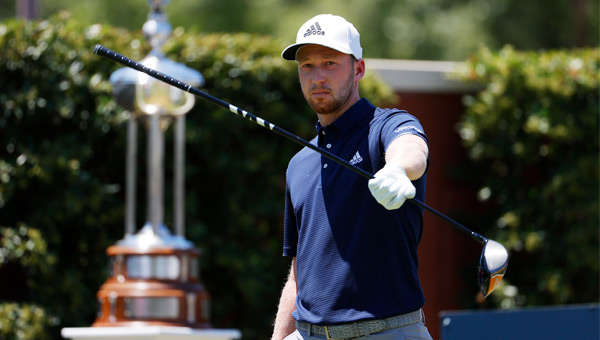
(157, 28)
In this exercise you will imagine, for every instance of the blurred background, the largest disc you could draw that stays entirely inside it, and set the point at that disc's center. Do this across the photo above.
(424, 29)
(516, 158)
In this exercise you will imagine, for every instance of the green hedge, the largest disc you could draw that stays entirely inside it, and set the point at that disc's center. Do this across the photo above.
(62, 171)
(532, 134)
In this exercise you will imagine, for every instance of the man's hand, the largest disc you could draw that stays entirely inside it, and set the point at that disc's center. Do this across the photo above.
(391, 186)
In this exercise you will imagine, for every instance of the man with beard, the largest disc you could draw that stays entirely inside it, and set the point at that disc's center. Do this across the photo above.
(353, 241)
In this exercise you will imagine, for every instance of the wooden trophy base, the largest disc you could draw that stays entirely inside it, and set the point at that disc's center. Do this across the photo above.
(153, 287)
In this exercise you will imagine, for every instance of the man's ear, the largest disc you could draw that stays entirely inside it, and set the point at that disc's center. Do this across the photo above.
(359, 69)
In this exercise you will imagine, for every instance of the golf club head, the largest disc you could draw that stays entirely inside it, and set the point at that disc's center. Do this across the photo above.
(492, 266)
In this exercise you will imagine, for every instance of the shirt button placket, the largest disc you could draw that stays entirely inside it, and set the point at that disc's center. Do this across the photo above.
(328, 146)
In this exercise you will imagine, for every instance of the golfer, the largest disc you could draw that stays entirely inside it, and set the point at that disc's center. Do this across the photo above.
(353, 241)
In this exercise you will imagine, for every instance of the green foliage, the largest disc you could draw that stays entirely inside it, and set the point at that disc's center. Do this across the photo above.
(14, 247)
(24, 322)
(23, 254)
(62, 168)
(533, 133)
(25, 246)
(423, 29)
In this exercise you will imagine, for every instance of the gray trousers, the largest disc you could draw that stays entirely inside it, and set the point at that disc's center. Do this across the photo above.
(416, 331)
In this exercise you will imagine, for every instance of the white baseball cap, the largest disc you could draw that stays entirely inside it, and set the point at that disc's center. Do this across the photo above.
(327, 30)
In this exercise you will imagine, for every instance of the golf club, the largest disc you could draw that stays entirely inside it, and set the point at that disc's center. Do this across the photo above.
(494, 257)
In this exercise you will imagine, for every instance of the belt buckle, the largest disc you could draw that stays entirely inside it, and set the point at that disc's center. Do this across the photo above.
(326, 328)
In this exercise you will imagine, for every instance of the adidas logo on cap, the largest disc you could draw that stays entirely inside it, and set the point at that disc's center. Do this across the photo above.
(341, 36)
(315, 29)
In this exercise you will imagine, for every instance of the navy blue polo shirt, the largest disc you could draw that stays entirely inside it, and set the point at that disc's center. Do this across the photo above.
(356, 260)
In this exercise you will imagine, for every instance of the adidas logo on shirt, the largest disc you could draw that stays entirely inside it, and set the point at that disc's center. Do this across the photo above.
(314, 29)
(356, 159)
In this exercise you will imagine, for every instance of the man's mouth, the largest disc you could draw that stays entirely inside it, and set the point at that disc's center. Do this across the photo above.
(320, 93)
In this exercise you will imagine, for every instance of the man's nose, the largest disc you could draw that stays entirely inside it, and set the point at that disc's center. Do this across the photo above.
(319, 76)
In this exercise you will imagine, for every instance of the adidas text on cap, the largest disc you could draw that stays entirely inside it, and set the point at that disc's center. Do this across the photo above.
(327, 30)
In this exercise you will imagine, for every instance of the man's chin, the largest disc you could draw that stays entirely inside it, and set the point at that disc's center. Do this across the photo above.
(321, 108)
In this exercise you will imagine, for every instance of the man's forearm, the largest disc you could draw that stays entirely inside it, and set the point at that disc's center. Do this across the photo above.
(410, 152)
(284, 323)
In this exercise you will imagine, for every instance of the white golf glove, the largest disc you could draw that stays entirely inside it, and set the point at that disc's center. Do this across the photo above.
(391, 186)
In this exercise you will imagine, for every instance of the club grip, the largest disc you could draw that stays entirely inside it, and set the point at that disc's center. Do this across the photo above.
(112, 55)
(123, 60)
(100, 50)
